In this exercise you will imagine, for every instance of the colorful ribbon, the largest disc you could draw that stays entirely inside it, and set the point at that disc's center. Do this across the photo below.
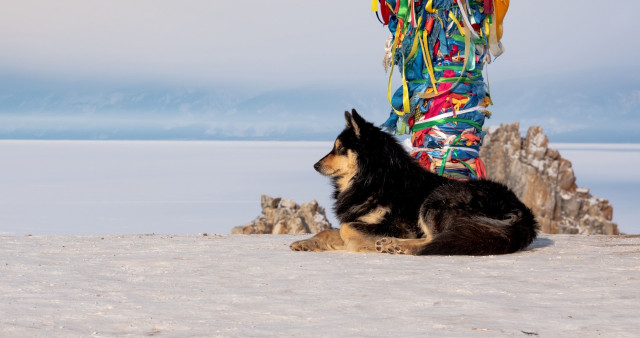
(440, 47)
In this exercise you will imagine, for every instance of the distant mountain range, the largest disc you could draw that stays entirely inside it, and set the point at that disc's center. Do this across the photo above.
(45, 110)
(569, 107)
(592, 107)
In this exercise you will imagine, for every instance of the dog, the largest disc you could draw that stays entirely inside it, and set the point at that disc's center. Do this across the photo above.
(387, 202)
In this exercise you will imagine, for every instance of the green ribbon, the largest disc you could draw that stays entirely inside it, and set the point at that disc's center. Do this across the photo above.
(452, 67)
(423, 126)
(403, 11)
(462, 79)
(473, 172)
(444, 160)
(460, 38)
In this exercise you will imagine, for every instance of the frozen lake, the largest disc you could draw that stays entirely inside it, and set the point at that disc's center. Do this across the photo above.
(190, 187)
(114, 187)
(610, 171)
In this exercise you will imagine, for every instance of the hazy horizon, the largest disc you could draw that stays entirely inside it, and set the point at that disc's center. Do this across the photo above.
(114, 187)
(208, 70)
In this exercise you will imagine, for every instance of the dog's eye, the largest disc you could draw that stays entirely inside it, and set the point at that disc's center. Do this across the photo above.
(340, 149)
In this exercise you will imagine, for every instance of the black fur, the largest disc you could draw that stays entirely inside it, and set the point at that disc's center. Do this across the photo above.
(475, 217)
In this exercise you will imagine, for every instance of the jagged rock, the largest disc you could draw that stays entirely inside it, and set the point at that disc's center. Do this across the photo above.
(269, 202)
(289, 204)
(545, 182)
(314, 217)
(286, 217)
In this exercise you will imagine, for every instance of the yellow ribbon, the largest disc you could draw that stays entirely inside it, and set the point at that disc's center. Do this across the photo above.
(406, 104)
(467, 48)
(406, 107)
(396, 40)
(455, 20)
(429, 6)
(416, 39)
(427, 58)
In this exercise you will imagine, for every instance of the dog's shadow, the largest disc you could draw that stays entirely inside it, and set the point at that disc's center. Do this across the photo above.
(540, 242)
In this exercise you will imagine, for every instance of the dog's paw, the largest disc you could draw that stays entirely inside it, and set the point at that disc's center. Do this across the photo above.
(390, 245)
(304, 245)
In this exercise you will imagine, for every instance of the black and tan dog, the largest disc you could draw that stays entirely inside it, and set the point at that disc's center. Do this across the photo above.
(386, 202)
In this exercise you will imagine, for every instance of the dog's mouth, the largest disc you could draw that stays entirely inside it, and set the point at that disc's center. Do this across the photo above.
(323, 171)
(333, 173)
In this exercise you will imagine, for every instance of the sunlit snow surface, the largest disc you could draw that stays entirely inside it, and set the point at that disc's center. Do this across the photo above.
(169, 187)
(252, 286)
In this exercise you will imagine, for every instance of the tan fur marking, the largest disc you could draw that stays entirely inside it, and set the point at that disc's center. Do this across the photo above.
(322, 241)
(426, 225)
(342, 167)
(375, 216)
(426, 229)
(356, 128)
(355, 241)
(401, 246)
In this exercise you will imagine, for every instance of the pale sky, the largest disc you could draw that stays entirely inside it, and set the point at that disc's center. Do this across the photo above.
(206, 41)
(283, 42)
(568, 64)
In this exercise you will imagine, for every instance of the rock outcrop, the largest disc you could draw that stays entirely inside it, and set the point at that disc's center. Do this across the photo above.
(545, 182)
(286, 217)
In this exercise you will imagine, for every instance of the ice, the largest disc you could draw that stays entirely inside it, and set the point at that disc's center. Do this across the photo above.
(189, 187)
(114, 187)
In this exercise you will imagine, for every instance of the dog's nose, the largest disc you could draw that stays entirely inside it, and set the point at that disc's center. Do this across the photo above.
(317, 166)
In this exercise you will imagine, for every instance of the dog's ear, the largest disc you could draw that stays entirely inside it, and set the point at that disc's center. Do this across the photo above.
(358, 120)
(352, 123)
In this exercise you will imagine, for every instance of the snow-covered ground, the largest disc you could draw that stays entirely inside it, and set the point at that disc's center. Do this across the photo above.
(232, 285)
(164, 187)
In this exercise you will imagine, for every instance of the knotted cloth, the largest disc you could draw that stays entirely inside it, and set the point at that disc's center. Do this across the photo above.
(441, 48)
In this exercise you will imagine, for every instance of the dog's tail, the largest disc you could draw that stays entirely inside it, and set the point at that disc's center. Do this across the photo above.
(484, 236)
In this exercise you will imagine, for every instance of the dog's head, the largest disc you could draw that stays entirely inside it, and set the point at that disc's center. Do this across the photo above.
(342, 162)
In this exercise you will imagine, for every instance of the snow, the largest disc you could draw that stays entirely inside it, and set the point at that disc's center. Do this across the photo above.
(232, 285)
(85, 273)
(582, 190)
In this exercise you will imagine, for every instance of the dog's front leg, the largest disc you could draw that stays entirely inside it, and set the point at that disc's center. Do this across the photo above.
(322, 241)
(357, 237)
